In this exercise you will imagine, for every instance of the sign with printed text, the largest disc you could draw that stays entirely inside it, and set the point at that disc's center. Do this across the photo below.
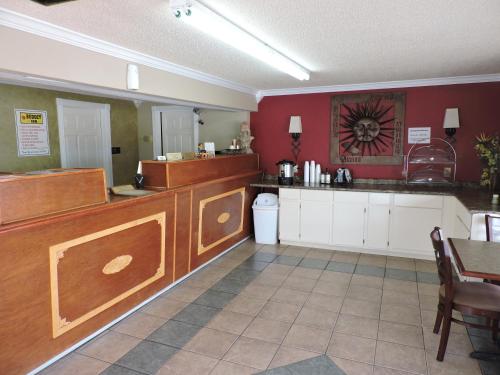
(419, 135)
(32, 133)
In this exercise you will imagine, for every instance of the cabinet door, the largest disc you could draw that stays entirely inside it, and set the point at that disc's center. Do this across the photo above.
(348, 224)
(315, 221)
(411, 227)
(377, 227)
(289, 219)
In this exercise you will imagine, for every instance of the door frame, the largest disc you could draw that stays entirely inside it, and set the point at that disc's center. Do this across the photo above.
(156, 116)
(105, 132)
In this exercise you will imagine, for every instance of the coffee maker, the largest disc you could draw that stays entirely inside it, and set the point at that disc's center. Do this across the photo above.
(285, 172)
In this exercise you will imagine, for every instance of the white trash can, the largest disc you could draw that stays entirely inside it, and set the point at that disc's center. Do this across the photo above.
(265, 218)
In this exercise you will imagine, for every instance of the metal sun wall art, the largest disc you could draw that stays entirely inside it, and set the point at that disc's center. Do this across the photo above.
(367, 128)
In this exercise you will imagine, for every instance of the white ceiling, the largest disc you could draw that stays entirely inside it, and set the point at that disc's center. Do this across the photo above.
(340, 41)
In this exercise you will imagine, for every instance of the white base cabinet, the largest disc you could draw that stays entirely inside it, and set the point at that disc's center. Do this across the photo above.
(379, 223)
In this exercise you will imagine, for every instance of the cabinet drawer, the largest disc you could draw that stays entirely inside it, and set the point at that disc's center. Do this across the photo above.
(380, 198)
(418, 200)
(350, 197)
(316, 195)
(289, 193)
(463, 214)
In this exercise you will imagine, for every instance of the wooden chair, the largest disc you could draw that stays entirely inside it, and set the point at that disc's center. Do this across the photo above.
(471, 298)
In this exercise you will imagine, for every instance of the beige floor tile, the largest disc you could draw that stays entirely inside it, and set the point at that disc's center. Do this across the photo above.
(429, 302)
(271, 249)
(255, 290)
(364, 293)
(316, 318)
(228, 262)
(211, 343)
(164, 307)
(400, 357)
(252, 353)
(428, 289)
(185, 293)
(404, 334)
(322, 301)
(388, 371)
(458, 344)
(372, 260)
(400, 314)
(361, 308)
(229, 321)
(184, 362)
(299, 283)
(357, 326)
(279, 311)
(204, 280)
(139, 325)
(110, 346)
(267, 330)
(307, 338)
(401, 286)
(76, 364)
(340, 278)
(345, 257)
(355, 348)
(425, 265)
(308, 273)
(245, 305)
(452, 365)
(278, 269)
(393, 297)
(331, 288)
(401, 264)
(369, 281)
(320, 254)
(287, 355)
(269, 279)
(351, 367)
(228, 368)
(286, 295)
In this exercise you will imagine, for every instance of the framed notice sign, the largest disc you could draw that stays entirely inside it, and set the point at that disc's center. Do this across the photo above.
(32, 133)
(419, 135)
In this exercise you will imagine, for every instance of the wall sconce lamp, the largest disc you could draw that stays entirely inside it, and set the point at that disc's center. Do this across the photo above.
(295, 130)
(132, 77)
(451, 123)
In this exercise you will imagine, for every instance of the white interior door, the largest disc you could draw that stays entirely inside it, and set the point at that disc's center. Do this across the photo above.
(174, 129)
(85, 135)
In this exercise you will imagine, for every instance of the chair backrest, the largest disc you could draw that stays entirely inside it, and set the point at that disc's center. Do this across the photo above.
(443, 262)
(492, 228)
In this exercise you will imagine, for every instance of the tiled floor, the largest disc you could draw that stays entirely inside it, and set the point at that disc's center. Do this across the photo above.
(287, 310)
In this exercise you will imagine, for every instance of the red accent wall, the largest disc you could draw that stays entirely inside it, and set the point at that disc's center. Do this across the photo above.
(479, 109)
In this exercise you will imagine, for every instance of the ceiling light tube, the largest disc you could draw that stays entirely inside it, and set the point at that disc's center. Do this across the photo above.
(201, 17)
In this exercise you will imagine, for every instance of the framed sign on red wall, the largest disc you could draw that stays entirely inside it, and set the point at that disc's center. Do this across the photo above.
(367, 128)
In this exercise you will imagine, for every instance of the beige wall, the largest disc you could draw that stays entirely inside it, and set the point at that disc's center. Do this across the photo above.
(145, 131)
(29, 54)
(123, 130)
(221, 126)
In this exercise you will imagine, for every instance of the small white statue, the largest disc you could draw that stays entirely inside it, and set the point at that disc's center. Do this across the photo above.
(245, 138)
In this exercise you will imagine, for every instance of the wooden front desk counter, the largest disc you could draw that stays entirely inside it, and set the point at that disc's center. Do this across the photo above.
(65, 276)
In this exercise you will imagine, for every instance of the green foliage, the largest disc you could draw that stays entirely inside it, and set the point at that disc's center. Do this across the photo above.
(488, 150)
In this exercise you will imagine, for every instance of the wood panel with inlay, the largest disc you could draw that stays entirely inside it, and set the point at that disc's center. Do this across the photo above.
(91, 273)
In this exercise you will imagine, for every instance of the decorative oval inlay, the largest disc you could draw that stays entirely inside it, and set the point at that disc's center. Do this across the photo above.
(223, 217)
(116, 265)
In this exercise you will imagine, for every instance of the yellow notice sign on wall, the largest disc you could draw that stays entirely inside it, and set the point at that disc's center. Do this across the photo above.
(32, 133)
(31, 118)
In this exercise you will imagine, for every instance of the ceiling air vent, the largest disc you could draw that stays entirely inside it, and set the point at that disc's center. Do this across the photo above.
(51, 2)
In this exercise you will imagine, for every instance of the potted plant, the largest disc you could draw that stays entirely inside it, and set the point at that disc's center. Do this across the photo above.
(488, 150)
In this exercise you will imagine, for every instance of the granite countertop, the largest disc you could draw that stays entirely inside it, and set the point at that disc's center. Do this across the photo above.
(476, 200)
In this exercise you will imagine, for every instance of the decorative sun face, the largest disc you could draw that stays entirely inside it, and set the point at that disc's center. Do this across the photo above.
(364, 130)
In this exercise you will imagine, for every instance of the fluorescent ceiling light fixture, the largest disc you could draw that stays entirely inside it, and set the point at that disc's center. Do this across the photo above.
(198, 15)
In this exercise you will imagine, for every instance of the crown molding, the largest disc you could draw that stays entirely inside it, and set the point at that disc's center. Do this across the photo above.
(382, 85)
(48, 30)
